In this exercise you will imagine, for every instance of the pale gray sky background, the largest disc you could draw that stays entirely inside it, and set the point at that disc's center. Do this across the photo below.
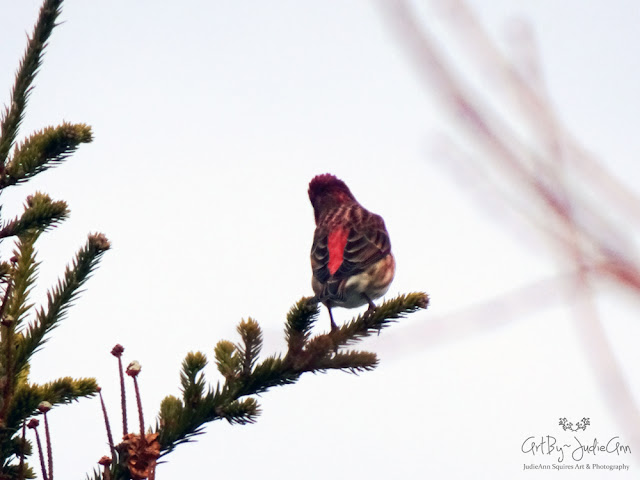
(210, 118)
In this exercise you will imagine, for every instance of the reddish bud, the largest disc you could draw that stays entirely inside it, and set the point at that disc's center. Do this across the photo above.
(117, 350)
(100, 240)
(133, 369)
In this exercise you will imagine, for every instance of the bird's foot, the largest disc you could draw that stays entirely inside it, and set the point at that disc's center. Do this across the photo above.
(371, 309)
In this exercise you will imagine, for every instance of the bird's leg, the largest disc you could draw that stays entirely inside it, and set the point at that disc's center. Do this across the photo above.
(334, 327)
(333, 324)
(372, 307)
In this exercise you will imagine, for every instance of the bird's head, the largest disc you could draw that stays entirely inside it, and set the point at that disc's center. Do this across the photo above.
(327, 191)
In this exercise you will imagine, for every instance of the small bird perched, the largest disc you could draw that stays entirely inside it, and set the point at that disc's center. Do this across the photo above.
(351, 252)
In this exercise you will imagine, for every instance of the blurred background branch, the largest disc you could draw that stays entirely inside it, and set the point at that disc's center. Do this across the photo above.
(540, 180)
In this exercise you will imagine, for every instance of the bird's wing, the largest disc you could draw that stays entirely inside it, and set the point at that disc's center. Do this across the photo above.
(367, 242)
(320, 254)
(340, 251)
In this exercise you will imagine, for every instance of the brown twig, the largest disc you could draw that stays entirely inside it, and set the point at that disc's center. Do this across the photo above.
(107, 424)
(139, 401)
(33, 424)
(133, 370)
(49, 449)
(117, 352)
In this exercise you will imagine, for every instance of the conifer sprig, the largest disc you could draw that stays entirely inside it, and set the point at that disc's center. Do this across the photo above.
(23, 275)
(300, 320)
(44, 149)
(29, 65)
(20, 399)
(180, 420)
(240, 412)
(61, 297)
(251, 345)
(352, 361)
(192, 379)
(60, 391)
(372, 321)
(40, 214)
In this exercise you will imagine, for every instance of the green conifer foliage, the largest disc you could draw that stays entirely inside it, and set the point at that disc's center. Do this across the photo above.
(24, 326)
(244, 376)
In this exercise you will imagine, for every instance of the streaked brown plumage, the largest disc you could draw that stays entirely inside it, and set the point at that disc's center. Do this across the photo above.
(351, 254)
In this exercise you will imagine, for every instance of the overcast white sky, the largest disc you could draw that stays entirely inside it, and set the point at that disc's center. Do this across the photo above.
(210, 118)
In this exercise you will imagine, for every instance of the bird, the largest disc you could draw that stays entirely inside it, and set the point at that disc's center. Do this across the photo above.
(351, 258)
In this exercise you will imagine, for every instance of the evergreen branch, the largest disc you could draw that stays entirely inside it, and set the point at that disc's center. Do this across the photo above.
(40, 213)
(25, 269)
(319, 350)
(61, 391)
(25, 75)
(66, 389)
(21, 445)
(372, 321)
(179, 422)
(176, 425)
(251, 335)
(21, 448)
(240, 412)
(171, 409)
(25, 401)
(272, 372)
(8, 364)
(61, 297)
(351, 361)
(193, 383)
(300, 320)
(14, 307)
(44, 149)
(13, 471)
(227, 359)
